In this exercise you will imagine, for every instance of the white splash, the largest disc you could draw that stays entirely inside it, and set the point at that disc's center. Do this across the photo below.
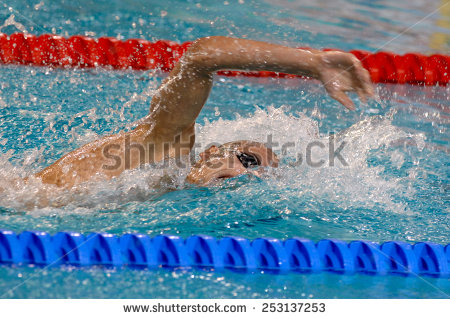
(11, 21)
(354, 184)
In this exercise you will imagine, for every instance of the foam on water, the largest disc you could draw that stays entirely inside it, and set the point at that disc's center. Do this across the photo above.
(12, 22)
(351, 183)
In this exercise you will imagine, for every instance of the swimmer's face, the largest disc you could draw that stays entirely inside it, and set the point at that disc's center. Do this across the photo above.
(230, 160)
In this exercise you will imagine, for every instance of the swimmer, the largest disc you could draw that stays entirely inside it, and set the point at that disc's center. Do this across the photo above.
(168, 130)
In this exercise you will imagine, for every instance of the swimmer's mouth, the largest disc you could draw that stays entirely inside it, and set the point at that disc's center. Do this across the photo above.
(226, 176)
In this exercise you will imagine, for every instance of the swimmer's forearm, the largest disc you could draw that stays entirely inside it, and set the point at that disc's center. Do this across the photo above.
(181, 97)
(212, 54)
(339, 72)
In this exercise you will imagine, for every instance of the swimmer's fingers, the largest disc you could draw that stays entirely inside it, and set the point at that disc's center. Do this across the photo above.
(342, 72)
(342, 98)
(363, 87)
(336, 88)
(368, 85)
(362, 95)
(359, 77)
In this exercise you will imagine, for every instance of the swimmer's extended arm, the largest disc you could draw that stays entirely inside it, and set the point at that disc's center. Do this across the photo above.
(181, 97)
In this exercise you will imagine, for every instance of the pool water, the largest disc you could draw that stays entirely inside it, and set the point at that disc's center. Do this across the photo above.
(392, 184)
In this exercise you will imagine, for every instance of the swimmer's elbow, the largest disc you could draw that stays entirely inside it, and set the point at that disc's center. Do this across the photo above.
(200, 55)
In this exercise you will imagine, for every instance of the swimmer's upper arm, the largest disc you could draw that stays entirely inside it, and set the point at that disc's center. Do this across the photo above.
(180, 98)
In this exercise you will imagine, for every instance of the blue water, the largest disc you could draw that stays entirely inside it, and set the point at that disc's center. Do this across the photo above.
(394, 187)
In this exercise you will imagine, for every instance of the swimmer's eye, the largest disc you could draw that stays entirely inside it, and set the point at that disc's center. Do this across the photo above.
(248, 160)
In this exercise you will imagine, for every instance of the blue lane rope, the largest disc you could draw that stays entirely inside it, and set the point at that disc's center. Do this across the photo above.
(240, 254)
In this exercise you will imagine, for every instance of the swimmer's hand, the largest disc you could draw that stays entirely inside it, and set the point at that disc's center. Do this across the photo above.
(342, 72)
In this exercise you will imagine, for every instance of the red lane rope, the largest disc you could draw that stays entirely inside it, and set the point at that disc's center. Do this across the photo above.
(81, 51)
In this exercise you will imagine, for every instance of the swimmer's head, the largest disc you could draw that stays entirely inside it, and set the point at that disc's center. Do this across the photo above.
(231, 159)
